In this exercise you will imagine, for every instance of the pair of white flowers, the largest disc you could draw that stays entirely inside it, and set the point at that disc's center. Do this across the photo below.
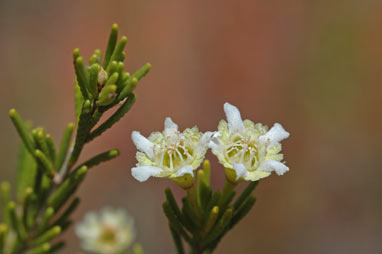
(246, 150)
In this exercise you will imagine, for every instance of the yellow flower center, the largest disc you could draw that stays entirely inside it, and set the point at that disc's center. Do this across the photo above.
(244, 151)
(108, 236)
(175, 155)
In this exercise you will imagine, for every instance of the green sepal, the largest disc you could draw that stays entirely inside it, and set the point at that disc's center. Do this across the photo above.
(66, 189)
(5, 198)
(175, 223)
(64, 145)
(122, 110)
(45, 162)
(110, 45)
(42, 249)
(93, 79)
(22, 130)
(82, 76)
(102, 157)
(26, 172)
(47, 236)
(107, 95)
(244, 195)
(177, 240)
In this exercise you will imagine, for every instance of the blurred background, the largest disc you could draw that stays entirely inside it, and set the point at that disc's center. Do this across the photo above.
(313, 66)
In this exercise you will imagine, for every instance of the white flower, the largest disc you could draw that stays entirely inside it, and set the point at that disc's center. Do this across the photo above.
(170, 153)
(248, 150)
(111, 231)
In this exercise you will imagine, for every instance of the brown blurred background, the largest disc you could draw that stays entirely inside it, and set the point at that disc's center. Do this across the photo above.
(313, 66)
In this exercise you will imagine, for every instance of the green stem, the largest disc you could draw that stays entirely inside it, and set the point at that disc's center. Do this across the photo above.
(227, 189)
(192, 196)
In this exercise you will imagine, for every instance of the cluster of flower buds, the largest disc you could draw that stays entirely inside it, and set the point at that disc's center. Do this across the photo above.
(106, 83)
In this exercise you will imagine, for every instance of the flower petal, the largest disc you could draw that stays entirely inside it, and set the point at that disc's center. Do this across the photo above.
(145, 172)
(204, 141)
(270, 165)
(143, 144)
(275, 135)
(170, 127)
(215, 144)
(185, 170)
(240, 170)
(235, 123)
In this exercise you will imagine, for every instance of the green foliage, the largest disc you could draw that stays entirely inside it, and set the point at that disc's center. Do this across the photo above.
(26, 172)
(48, 176)
(206, 215)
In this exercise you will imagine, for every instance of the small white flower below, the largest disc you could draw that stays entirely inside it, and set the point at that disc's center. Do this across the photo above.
(110, 231)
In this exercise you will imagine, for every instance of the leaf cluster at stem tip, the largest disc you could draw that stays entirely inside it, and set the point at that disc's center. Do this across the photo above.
(206, 215)
(48, 175)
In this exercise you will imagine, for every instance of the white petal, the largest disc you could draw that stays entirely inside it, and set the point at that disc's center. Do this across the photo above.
(240, 170)
(275, 135)
(233, 118)
(216, 145)
(203, 142)
(185, 170)
(270, 165)
(143, 144)
(170, 127)
(145, 172)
